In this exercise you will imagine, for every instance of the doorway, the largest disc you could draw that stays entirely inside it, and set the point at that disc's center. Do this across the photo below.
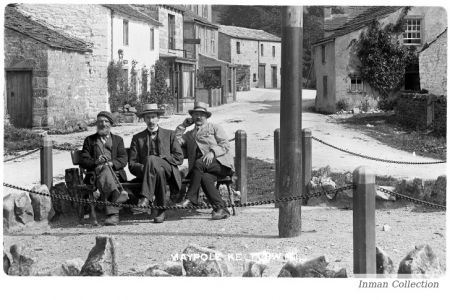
(19, 100)
(261, 75)
(274, 77)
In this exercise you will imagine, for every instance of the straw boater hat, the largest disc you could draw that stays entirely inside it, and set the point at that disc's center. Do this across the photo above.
(200, 107)
(150, 108)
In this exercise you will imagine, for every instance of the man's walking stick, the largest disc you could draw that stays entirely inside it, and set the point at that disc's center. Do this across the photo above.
(123, 194)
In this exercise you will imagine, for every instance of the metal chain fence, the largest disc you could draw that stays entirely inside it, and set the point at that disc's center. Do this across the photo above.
(380, 159)
(175, 207)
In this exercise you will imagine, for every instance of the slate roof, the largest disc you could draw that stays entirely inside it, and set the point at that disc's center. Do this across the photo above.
(39, 31)
(133, 12)
(361, 20)
(191, 16)
(248, 34)
(335, 22)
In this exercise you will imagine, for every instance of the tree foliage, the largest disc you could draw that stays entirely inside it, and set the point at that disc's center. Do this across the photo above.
(208, 79)
(159, 91)
(383, 58)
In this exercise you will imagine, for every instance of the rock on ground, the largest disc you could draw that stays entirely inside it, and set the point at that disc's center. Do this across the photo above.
(23, 208)
(72, 267)
(384, 262)
(253, 269)
(42, 205)
(169, 268)
(421, 260)
(412, 188)
(313, 268)
(204, 262)
(155, 271)
(6, 263)
(439, 191)
(101, 260)
(62, 206)
(21, 265)
(9, 217)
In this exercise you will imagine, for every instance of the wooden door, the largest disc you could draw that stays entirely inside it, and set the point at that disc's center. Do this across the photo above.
(274, 77)
(19, 98)
(262, 76)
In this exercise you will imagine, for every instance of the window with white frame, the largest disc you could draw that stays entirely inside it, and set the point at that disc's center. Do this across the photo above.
(356, 84)
(152, 38)
(412, 32)
(125, 32)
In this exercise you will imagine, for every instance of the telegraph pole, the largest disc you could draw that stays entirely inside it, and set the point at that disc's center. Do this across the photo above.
(291, 182)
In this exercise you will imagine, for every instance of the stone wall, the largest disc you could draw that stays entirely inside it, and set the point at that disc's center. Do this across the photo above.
(325, 102)
(422, 111)
(163, 17)
(433, 66)
(243, 77)
(224, 47)
(271, 61)
(248, 56)
(22, 49)
(91, 23)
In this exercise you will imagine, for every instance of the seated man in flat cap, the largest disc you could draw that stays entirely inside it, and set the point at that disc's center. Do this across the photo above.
(104, 153)
(209, 157)
(155, 155)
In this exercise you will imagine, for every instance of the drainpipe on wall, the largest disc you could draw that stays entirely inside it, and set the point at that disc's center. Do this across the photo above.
(112, 35)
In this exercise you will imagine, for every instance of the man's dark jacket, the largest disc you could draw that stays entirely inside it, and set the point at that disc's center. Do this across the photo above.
(168, 148)
(91, 152)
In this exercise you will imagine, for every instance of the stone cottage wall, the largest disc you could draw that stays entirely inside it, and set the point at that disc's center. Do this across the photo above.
(433, 67)
(422, 111)
(19, 48)
(248, 56)
(91, 23)
(68, 92)
(271, 61)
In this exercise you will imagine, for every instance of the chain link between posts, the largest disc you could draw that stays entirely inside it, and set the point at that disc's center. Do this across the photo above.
(175, 207)
(380, 159)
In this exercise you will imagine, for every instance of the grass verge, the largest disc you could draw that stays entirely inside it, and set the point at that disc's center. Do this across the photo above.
(385, 128)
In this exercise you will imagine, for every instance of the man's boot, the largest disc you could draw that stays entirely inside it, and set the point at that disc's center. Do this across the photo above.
(221, 213)
(112, 220)
(160, 216)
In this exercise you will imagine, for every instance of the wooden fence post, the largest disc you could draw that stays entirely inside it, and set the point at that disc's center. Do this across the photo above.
(47, 162)
(364, 254)
(241, 163)
(276, 140)
(306, 157)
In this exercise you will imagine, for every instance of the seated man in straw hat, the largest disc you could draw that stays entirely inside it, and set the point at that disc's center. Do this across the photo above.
(155, 155)
(209, 157)
(104, 153)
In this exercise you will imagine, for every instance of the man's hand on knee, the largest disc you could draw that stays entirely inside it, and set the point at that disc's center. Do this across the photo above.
(208, 158)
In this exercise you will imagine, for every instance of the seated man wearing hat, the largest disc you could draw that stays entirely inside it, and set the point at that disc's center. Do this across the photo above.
(155, 155)
(209, 157)
(104, 153)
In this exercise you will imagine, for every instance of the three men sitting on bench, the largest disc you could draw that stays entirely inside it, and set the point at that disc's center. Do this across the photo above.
(154, 157)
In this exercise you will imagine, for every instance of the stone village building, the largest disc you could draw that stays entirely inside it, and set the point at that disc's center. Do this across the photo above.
(201, 41)
(336, 66)
(257, 48)
(182, 68)
(57, 55)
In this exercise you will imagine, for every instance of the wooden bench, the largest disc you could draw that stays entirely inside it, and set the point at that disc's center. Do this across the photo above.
(132, 184)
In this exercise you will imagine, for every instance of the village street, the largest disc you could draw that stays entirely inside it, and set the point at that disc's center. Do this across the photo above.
(325, 230)
(256, 112)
